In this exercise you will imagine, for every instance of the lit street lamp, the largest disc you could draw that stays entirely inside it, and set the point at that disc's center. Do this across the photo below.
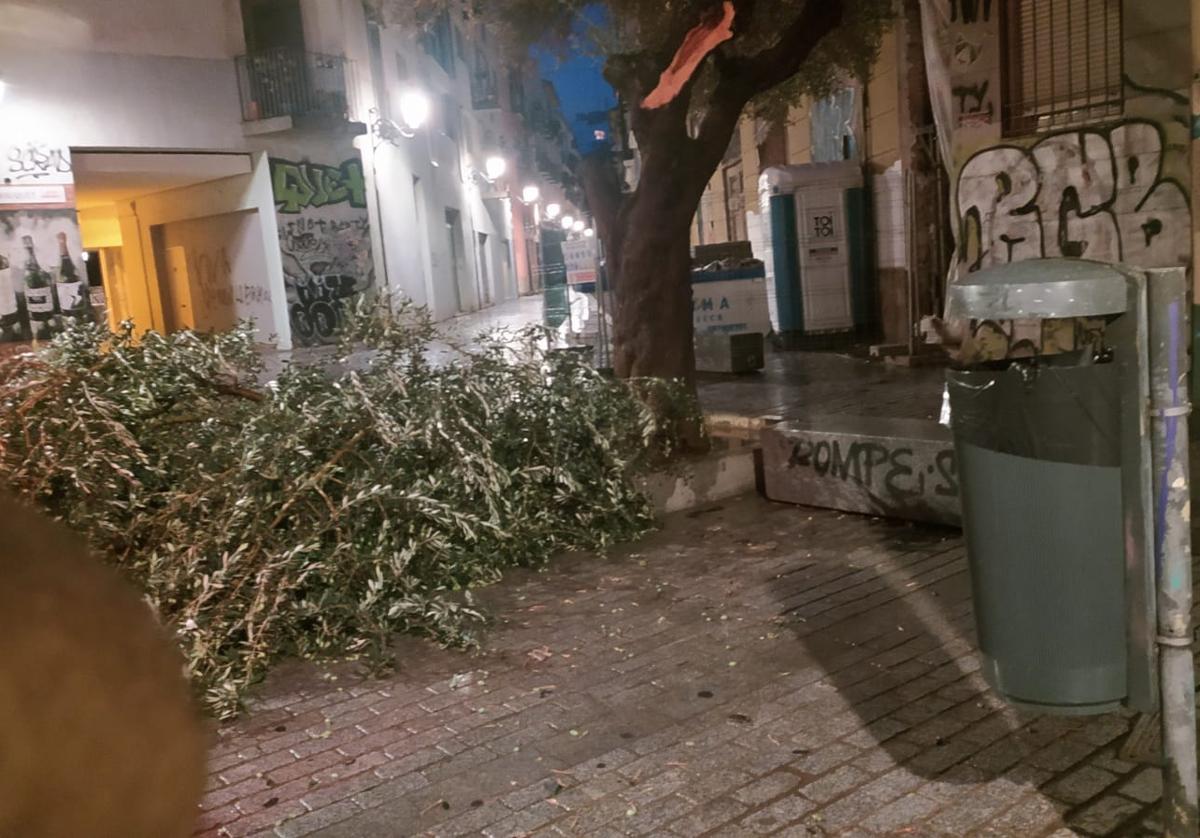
(495, 167)
(530, 193)
(568, 222)
(552, 210)
(414, 110)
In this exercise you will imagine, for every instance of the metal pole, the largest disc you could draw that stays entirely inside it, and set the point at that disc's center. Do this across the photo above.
(1169, 339)
(603, 359)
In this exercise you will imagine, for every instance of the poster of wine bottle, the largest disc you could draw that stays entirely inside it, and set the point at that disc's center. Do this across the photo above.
(42, 284)
(43, 281)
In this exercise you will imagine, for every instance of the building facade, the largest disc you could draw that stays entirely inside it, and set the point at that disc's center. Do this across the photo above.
(250, 160)
(992, 132)
(885, 123)
(1067, 126)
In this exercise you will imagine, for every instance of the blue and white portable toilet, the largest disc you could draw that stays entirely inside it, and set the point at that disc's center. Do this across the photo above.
(817, 279)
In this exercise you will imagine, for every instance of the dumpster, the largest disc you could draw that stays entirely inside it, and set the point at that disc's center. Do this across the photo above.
(1053, 467)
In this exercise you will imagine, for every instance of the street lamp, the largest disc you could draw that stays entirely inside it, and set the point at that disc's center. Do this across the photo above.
(495, 167)
(552, 210)
(414, 110)
(588, 233)
(578, 226)
(567, 222)
(530, 193)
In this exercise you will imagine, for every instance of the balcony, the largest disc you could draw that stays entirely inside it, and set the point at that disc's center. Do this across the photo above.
(485, 93)
(291, 83)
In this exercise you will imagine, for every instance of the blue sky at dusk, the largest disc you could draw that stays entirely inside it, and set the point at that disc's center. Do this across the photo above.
(581, 88)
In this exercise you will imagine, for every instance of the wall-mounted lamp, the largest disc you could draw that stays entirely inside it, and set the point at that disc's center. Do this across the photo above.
(495, 167)
(553, 210)
(414, 110)
(530, 194)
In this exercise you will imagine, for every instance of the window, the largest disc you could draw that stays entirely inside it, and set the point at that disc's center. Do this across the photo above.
(516, 92)
(1063, 63)
(438, 41)
(735, 204)
(451, 118)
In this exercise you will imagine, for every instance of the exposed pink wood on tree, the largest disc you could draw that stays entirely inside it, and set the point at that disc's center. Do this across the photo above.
(699, 42)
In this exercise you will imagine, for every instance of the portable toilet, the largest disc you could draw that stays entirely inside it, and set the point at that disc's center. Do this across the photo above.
(818, 286)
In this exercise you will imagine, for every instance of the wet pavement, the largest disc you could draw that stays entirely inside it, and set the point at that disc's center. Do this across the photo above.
(750, 669)
(792, 384)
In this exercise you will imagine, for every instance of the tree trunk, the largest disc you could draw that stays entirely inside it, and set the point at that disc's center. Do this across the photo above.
(652, 335)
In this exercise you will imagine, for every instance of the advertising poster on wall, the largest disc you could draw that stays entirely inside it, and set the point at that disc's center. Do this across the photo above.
(43, 281)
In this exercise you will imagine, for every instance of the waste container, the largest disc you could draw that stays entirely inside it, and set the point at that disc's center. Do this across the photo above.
(1039, 461)
(1054, 469)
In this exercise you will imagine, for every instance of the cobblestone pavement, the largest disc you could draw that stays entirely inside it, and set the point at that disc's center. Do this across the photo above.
(748, 670)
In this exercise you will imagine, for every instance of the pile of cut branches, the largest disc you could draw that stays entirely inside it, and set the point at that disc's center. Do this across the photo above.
(342, 501)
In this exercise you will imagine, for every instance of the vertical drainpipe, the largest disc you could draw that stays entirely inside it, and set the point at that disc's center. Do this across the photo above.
(1169, 407)
(1195, 191)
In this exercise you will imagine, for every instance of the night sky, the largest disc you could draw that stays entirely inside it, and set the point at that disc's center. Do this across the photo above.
(582, 89)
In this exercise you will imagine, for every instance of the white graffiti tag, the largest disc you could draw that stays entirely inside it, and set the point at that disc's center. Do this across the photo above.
(1081, 194)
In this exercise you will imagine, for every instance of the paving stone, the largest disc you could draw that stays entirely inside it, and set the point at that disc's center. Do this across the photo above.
(835, 784)
(638, 725)
(768, 787)
(780, 813)
(905, 812)
(1145, 786)
(1105, 815)
(317, 819)
(707, 817)
(1082, 784)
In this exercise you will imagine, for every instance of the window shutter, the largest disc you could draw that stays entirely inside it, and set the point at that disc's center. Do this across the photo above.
(1063, 63)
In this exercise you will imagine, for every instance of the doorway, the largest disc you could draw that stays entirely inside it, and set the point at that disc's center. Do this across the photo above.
(454, 233)
(485, 276)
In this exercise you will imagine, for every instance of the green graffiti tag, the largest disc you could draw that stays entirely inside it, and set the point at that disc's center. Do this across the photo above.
(301, 185)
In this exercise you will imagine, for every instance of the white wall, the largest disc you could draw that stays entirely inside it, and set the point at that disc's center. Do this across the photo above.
(256, 271)
(226, 266)
(186, 28)
(416, 241)
(129, 73)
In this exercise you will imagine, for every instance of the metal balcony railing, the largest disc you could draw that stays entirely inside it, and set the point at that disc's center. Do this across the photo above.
(485, 93)
(291, 82)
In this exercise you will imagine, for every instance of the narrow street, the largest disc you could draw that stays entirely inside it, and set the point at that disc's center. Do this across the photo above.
(750, 669)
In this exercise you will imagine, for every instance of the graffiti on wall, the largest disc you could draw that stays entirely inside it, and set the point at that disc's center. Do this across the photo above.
(1094, 193)
(325, 240)
(972, 104)
(36, 162)
(300, 186)
(970, 11)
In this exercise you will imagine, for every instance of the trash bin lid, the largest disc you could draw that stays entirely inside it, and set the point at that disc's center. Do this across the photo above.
(1039, 288)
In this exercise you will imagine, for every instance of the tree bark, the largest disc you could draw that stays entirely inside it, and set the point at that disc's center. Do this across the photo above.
(646, 233)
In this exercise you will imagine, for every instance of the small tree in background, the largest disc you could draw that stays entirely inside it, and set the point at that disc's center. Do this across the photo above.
(685, 70)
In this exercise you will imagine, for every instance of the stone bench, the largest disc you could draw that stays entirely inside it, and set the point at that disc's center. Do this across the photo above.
(893, 468)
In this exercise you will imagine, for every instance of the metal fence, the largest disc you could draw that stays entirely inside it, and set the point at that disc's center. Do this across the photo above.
(290, 82)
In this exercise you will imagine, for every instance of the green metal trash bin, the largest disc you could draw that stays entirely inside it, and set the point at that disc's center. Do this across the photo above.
(1039, 460)
(1054, 467)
